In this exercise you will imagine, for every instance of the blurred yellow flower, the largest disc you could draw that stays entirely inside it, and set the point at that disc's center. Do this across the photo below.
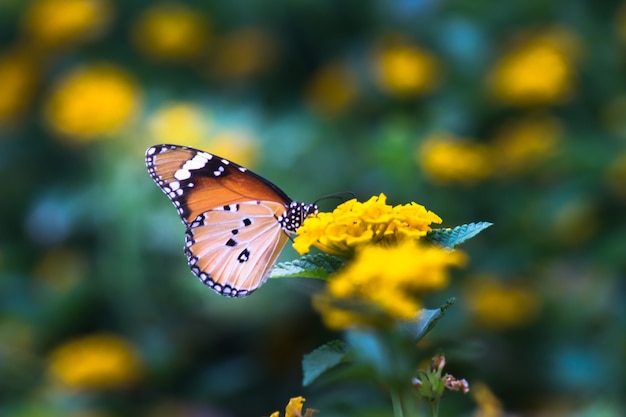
(353, 224)
(538, 70)
(496, 305)
(447, 159)
(519, 144)
(19, 75)
(620, 23)
(294, 409)
(19, 338)
(488, 404)
(615, 176)
(402, 69)
(614, 116)
(60, 268)
(243, 53)
(385, 282)
(332, 89)
(95, 362)
(171, 31)
(575, 221)
(91, 101)
(187, 124)
(236, 145)
(180, 123)
(53, 23)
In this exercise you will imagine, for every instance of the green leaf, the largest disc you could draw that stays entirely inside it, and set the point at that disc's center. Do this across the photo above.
(426, 321)
(319, 265)
(322, 359)
(449, 238)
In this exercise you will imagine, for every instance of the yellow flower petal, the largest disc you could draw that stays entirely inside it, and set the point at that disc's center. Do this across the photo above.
(294, 408)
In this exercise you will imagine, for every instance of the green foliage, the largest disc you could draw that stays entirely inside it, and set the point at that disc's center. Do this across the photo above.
(428, 319)
(318, 265)
(322, 359)
(367, 346)
(452, 237)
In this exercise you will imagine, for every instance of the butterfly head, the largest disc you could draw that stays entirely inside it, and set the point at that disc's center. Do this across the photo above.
(295, 214)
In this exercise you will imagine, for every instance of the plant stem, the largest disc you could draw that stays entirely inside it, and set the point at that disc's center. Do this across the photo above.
(397, 404)
(434, 408)
(404, 404)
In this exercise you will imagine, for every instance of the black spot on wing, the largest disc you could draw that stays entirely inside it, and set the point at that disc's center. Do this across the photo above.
(244, 256)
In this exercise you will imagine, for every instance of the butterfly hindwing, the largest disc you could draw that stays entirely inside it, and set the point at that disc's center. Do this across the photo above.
(231, 249)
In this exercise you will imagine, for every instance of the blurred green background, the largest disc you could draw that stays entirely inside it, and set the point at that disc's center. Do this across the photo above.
(511, 112)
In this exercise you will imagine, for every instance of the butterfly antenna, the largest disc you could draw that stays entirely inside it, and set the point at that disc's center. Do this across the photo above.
(340, 195)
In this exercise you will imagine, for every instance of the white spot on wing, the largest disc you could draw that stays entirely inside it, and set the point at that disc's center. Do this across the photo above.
(219, 171)
(197, 162)
(182, 174)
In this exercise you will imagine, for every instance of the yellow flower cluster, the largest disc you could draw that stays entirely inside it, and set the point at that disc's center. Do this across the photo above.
(390, 269)
(385, 282)
(92, 101)
(294, 409)
(95, 362)
(446, 159)
(538, 70)
(353, 224)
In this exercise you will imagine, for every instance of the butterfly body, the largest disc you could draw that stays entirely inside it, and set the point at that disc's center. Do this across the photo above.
(237, 222)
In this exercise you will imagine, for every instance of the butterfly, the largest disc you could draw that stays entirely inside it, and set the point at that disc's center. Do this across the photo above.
(237, 221)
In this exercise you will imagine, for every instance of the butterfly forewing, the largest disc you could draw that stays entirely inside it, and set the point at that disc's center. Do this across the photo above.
(237, 222)
(196, 181)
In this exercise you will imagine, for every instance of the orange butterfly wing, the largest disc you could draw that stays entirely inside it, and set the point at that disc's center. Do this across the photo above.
(237, 222)
(196, 181)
